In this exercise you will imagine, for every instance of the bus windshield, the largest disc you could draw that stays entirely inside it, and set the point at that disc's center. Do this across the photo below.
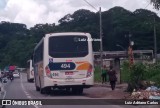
(68, 46)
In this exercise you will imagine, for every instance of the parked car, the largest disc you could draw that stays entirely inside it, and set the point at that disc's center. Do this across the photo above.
(16, 74)
(4, 80)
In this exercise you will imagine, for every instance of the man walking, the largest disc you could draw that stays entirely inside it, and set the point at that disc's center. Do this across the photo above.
(112, 77)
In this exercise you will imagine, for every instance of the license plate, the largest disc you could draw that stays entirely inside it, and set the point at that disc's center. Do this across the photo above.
(69, 79)
(68, 73)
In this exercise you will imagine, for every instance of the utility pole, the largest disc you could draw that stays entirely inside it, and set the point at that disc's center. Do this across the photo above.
(155, 41)
(100, 27)
(101, 42)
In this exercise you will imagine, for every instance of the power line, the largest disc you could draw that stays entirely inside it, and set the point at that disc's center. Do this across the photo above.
(147, 6)
(100, 25)
(90, 4)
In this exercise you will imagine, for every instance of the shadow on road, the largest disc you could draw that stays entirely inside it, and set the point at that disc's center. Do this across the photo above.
(63, 93)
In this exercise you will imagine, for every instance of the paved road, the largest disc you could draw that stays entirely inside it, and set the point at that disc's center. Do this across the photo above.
(21, 89)
(14, 91)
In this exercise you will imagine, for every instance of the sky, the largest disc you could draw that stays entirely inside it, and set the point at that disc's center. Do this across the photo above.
(32, 12)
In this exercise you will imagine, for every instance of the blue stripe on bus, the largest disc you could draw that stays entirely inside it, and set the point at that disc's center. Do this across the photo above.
(62, 66)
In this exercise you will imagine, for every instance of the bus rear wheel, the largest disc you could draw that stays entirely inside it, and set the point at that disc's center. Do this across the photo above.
(37, 88)
(42, 90)
(77, 90)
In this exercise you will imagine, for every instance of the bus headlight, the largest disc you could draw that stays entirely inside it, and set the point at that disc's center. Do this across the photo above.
(89, 71)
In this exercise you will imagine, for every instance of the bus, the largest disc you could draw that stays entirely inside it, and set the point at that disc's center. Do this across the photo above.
(64, 61)
(30, 71)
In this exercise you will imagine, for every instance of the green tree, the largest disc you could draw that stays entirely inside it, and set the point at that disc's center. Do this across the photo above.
(17, 42)
(156, 4)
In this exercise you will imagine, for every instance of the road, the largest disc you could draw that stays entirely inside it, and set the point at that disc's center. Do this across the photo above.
(19, 88)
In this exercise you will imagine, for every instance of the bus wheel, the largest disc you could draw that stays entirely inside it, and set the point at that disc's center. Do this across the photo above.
(37, 88)
(74, 90)
(42, 90)
(79, 90)
(68, 89)
(29, 80)
(48, 90)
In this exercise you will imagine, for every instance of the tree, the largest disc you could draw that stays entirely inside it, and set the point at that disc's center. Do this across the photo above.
(17, 42)
(156, 4)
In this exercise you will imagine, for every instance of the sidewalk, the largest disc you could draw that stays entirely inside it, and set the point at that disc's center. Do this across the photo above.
(104, 91)
(119, 86)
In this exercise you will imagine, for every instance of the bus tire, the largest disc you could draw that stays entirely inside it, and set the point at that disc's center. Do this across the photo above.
(74, 90)
(80, 91)
(29, 80)
(42, 90)
(32, 80)
(68, 89)
(37, 88)
(77, 90)
(48, 90)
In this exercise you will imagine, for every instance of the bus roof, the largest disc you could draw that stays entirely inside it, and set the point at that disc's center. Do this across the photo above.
(66, 33)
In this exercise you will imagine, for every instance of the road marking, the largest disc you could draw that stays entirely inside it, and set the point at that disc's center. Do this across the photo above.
(26, 93)
(29, 97)
(35, 106)
(3, 94)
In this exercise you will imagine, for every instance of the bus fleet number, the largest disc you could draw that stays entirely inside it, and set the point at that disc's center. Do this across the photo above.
(65, 66)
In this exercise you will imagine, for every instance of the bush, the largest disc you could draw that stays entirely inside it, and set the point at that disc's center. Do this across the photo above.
(125, 72)
(137, 75)
(153, 73)
(97, 74)
(140, 75)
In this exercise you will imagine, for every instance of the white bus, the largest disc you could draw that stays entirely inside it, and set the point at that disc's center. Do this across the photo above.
(64, 61)
(30, 71)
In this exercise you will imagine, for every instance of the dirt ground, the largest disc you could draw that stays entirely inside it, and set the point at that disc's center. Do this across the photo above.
(104, 91)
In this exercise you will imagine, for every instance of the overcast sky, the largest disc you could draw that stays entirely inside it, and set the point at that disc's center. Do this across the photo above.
(31, 12)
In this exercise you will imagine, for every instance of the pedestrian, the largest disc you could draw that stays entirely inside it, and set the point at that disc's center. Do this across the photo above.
(112, 77)
(104, 74)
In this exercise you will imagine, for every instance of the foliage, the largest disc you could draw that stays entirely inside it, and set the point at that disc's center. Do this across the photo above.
(156, 4)
(153, 73)
(17, 42)
(97, 74)
(139, 73)
(125, 72)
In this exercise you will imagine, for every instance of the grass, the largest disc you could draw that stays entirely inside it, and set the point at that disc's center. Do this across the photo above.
(152, 73)
(156, 79)
(125, 75)
(97, 74)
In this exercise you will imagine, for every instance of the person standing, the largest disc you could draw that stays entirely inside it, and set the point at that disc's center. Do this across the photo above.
(104, 74)
(112, 77)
